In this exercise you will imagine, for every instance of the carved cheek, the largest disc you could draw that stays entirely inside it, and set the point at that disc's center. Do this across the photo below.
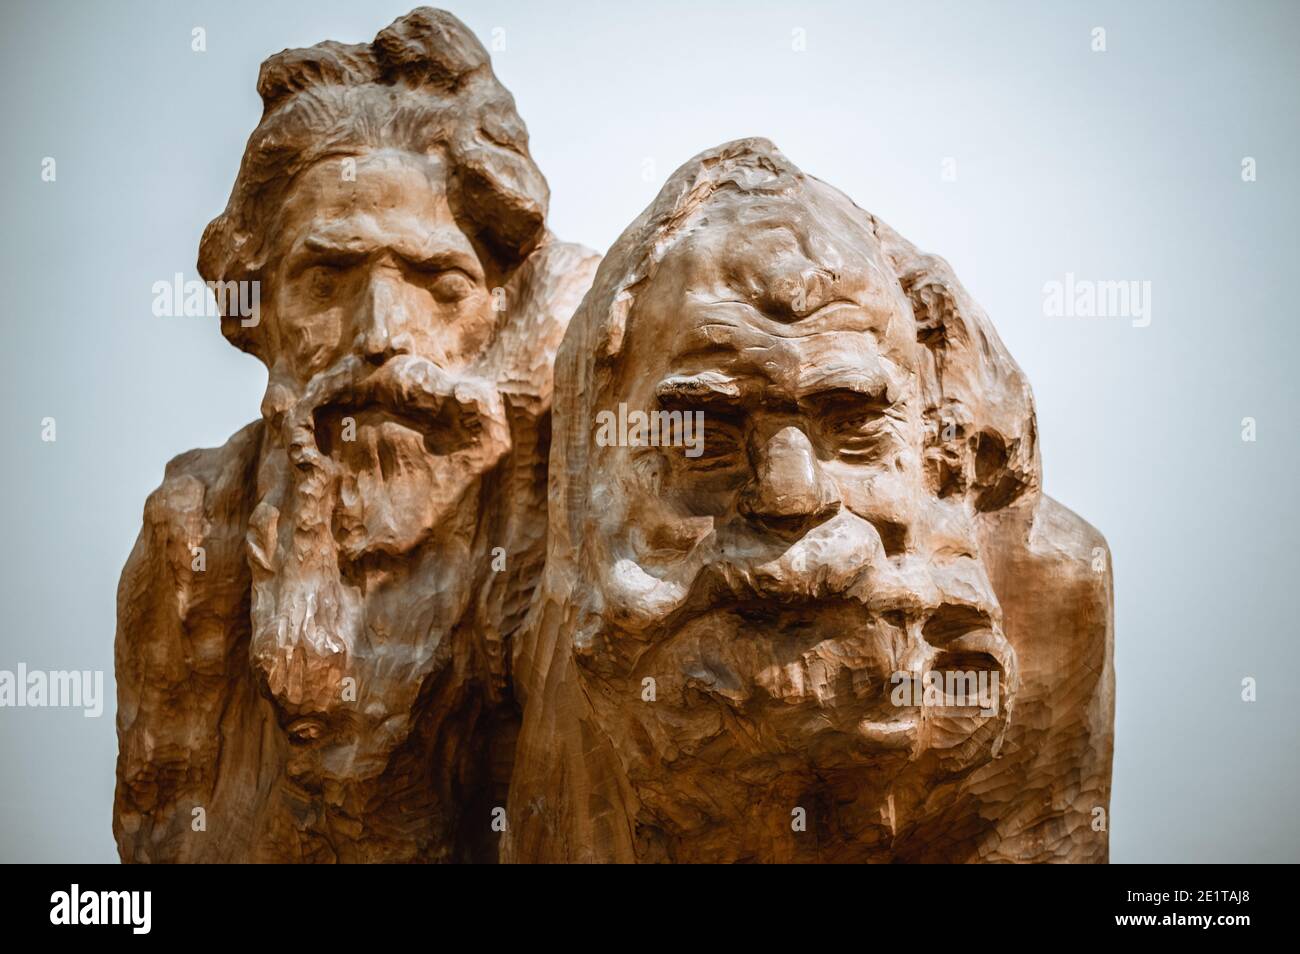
(676, 535)
(653, 528)
(320, 342)
(474, 319)
(878, 490)
(314, 343)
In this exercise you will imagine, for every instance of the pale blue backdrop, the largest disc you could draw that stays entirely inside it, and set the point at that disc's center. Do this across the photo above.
(1115, 165)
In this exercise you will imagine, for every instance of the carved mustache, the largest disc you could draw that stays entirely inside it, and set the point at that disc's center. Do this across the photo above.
(950, 605)
(843, 558)
(943, 601)
(454, 410)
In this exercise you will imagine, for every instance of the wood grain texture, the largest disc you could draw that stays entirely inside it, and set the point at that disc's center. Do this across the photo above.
(709, 670)
(313, 627)
(666, 586)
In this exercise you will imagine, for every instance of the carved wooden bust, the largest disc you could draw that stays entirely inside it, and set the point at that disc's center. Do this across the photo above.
(744, 647)
(312, 626)
(774, 579)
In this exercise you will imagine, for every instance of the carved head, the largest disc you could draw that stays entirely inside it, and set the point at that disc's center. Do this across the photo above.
(743, 617)
(387, 207)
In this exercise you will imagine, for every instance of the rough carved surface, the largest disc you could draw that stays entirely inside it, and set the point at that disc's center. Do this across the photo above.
(312, 626)
(707, 673)
(332, 629)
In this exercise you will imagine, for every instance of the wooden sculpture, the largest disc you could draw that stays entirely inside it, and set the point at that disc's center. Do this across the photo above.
(312, 627)
(744, 646)
(790, 590)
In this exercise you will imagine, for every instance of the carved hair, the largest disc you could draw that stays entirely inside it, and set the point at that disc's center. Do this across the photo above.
(425, 84)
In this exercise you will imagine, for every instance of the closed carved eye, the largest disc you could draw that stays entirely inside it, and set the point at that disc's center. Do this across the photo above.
(451, 286)
(717, 442)
(853, 424)
(323, 280)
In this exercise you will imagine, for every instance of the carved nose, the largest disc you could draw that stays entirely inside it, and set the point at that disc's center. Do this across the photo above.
(788, 493)
(383, 322)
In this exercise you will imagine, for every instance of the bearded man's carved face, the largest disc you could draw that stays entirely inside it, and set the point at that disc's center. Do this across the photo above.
(381, 428)
(775, 583)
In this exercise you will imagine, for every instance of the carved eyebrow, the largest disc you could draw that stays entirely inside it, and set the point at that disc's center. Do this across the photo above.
(700, 344)
(349, 251)
(442, 260)
(780, 321)
(870, 385)
(324, 245)
(705, 386)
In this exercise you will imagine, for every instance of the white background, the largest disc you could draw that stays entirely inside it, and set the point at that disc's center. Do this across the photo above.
(1113, 166)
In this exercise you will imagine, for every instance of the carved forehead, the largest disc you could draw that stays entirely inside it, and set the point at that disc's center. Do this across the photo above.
(381, 198)
(787, 253)
(758, 277)
(370, 181)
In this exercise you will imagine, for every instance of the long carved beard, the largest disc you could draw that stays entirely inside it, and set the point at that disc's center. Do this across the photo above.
(306, 620)
(336, 505)
(773, 675)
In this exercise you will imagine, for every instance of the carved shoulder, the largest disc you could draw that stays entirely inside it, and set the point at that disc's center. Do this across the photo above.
(182, 618)
(1053, 578)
